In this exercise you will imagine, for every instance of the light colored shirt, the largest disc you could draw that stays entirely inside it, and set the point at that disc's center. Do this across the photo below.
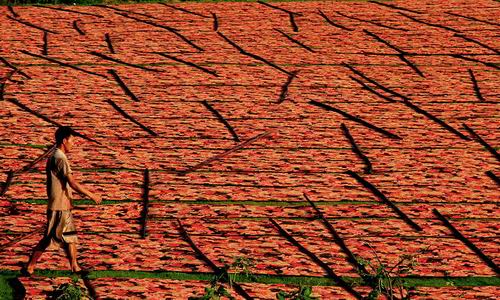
(58, 189)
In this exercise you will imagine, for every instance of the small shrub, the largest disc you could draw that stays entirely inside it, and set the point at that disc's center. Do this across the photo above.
(240, 266)
(303, 293)
(69, 291)
(213, 293)
(217, 289)
(385, 279)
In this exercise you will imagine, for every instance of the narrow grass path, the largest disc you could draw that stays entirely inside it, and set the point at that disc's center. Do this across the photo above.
(420, 281)
(114, 2)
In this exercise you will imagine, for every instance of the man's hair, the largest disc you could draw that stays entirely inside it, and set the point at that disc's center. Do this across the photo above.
(62, 133)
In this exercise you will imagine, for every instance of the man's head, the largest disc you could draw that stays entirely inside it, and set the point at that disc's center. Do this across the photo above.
(64, 138)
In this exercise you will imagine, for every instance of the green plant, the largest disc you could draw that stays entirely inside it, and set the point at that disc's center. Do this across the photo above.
(387, 280)
(303, 293)
(213, 293)
(7, 290)
(240, 266)
(69, 291)
(217, 289)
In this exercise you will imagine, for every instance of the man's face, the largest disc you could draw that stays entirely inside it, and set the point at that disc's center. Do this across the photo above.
(68, 143)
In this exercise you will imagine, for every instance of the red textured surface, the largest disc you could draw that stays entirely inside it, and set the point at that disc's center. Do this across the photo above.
(428, 168)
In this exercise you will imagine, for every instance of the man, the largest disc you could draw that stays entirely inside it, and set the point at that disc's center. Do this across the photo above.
(60, 229)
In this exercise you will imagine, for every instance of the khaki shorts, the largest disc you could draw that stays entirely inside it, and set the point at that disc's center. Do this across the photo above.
(60, 230)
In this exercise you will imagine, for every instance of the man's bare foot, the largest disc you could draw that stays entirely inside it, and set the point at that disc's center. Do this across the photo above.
(76, 269)
(27, 271)
(30, 270)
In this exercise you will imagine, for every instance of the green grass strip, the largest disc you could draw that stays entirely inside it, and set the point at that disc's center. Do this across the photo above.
(37, 146)
(114, 2)
(296, 65)
(452, 281)
(75, 202)
(252, 202)
(422, 281)
(211, 202)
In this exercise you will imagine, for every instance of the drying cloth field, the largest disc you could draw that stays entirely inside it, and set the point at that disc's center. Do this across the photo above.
(310, 138)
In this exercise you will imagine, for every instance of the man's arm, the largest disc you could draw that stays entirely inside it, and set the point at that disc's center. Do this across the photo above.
(81, 189)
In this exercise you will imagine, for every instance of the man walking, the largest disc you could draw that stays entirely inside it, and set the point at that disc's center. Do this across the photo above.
(60, 230)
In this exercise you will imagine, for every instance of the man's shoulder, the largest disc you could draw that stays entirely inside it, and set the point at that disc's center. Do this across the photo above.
(59, 159)
(58, 154)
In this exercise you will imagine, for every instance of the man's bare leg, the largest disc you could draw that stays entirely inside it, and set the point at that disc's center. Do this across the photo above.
(71, 251)
(30, 268)
(35, 255)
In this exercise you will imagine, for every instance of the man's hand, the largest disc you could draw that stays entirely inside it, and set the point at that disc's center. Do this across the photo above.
(82, 190)
(96, 198)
